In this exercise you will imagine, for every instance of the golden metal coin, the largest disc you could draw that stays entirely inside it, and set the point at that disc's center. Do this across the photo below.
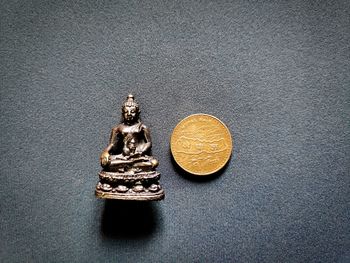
(201, 144)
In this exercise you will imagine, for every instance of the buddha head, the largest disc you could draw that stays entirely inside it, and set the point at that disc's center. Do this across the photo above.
(130, 110)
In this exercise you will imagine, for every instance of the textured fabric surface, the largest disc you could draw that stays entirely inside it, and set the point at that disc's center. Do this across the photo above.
(276, 72)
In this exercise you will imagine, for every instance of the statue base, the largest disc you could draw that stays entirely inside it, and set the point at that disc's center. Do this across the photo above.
(141, 186)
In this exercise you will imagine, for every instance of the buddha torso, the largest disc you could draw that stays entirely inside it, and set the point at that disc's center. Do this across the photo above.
(131, 137)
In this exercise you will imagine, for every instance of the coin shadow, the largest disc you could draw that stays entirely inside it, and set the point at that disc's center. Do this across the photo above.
(129, 219)
(197, 178)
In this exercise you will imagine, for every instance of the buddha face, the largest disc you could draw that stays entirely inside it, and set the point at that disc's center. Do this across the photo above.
(130, 113)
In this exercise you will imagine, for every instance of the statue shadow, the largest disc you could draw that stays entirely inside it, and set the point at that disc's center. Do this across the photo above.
(129, 219)
(197, 178)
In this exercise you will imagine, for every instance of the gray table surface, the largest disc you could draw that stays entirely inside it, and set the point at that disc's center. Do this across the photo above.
(276, 72)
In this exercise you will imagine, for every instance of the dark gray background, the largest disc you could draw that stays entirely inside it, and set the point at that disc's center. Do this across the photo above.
(276, 72)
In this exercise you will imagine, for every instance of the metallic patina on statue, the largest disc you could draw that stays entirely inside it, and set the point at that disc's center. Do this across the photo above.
(128, 168)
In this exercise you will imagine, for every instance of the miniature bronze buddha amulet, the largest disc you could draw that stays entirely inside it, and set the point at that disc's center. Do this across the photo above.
(201, 144)
(128, 167)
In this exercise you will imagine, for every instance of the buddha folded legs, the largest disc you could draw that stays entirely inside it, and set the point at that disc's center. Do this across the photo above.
(123, 163)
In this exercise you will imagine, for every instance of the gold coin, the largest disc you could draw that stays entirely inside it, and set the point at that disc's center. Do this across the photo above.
(201, 144)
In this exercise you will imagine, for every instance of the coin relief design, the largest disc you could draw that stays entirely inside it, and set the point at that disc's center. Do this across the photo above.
(201, 144)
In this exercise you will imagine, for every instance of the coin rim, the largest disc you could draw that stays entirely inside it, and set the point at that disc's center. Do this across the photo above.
(231, 144)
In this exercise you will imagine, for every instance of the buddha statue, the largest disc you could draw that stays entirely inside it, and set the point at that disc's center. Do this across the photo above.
(128, 168)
